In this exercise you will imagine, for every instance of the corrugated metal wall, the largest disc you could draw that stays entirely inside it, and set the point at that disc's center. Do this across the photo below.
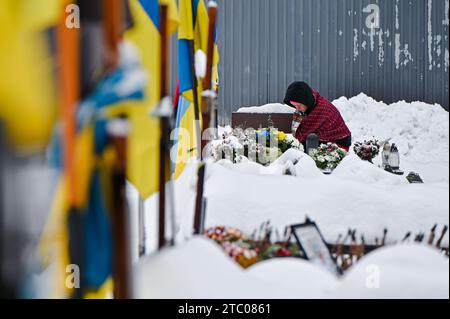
(266, 44)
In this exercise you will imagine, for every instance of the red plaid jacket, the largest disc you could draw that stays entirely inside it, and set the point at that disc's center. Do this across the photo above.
(324, 120)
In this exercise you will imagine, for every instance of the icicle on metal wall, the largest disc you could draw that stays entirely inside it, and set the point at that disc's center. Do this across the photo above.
(336, 47)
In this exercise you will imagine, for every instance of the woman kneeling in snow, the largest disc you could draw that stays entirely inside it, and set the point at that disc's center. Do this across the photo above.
(316, 115)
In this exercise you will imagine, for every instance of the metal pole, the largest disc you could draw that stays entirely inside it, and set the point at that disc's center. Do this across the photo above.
(141, 221)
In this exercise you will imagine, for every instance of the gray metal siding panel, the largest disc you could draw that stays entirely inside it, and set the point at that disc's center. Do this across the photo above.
(266, 44)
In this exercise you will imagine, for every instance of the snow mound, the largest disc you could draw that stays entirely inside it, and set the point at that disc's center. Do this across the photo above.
(306, 279)
(306, 168)
(245, 167)
(199, 269)
(420, 130)
(353, 168)
(292, 155)
(403, 271)
(268, 108)
(203, 263)
(285, 163)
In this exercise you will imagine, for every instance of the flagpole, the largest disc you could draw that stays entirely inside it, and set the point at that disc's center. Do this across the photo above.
(208, 103)
(141, 226)
(209, 97)
(198, 130)
(118, 131)
(68, 72)
(164, 112)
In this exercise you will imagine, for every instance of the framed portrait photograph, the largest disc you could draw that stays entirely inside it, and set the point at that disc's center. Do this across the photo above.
(314, 247)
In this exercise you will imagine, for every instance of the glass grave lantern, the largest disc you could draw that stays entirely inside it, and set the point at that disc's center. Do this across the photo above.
(394, 158)
(312, 143)
(385, 155)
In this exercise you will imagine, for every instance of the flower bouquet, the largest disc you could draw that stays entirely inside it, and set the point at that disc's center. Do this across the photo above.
(247, 251)
(263, 146)
(328, 156)
(367, 150)
(235, 244)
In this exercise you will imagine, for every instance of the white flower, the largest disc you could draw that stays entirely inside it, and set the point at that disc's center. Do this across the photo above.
(290, 138)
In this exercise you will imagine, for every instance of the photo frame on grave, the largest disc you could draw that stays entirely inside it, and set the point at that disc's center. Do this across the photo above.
(314, 247)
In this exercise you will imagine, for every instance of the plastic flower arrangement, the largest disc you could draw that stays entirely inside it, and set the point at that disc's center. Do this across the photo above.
(367, 150)
(328, 156)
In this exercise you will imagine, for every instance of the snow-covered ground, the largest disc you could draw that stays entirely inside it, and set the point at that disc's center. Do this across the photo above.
(199, 269)
(358, 195)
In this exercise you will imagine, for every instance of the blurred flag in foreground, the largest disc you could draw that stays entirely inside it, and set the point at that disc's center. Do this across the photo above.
(95, 158)
(27, 95)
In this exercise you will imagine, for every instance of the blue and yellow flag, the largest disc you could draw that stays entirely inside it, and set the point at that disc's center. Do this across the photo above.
(144, 139)
(27, 93)
(88, 231)
(192, 36)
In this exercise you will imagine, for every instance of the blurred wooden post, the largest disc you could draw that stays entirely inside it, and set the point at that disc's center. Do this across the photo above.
(68, 49)
(120, 215)
(68, 67)
(113, 22)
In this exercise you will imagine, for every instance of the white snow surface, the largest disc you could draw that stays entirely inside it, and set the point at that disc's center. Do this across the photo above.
(420, 130)
(199, 269)
(403, 271)
(268, 108)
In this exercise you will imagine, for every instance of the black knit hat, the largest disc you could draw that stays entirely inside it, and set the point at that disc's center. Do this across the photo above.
(300, 92)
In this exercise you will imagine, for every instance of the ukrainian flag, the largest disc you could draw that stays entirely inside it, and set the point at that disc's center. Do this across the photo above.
(143, 151)
(90, 235)
(193, 31)
(27, 93)
(93, 234)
